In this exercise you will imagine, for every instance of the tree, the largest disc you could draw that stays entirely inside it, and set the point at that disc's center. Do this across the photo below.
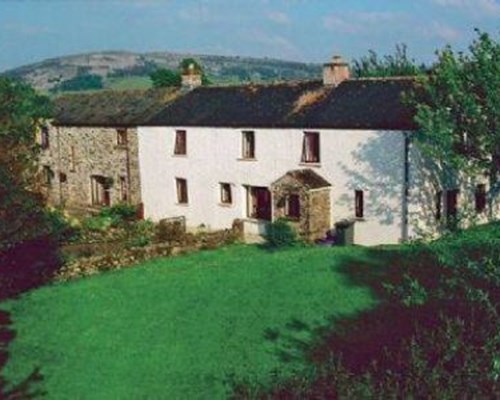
(458, 111)
(165, 78)
(80, 82)
(398, 64)
(26, 247)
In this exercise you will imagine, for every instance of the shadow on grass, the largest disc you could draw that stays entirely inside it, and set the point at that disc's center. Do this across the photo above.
(364, 337)
(27, 389)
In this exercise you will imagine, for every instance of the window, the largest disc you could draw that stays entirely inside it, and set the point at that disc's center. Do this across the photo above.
(44, 137)
(310, 147)
(72, 159)
(439, 205)
(248, 146)
(48, 175)
(63, 178)
(100, 190)
(225, 193)
(259, 203)
(121, 137)
(180, 143)
(359, 203)
(123, 189)
(480, 196)
(293, 206)
(451, 203)
(182, 191)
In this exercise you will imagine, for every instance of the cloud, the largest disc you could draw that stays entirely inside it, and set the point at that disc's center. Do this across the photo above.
(445, 32)
(278, 45)
(483, 7)
(27, 30)
(278, 17)
(358, 22)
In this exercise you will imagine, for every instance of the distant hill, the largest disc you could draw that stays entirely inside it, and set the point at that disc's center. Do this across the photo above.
(127, 70)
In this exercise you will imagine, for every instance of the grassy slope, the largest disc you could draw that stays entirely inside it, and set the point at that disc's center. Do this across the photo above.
(175, 328)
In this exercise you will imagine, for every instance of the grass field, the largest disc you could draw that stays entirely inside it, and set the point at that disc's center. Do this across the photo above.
(127, 83)
(178, 328)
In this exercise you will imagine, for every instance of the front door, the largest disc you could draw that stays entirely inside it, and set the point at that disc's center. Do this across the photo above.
(259, 203)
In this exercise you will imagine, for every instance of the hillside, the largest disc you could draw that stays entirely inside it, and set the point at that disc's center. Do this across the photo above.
(124, 70)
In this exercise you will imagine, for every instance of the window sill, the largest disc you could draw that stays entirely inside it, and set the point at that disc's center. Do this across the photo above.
(182, 204)
(179, 155)
(246, 159)
(226, 205)
(310, 164)
(359, 219)
(121, 147)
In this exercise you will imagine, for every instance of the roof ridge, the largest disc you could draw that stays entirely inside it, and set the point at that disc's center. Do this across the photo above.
(385, 78)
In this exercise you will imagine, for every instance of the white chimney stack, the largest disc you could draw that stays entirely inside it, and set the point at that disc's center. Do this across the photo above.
(336, 71)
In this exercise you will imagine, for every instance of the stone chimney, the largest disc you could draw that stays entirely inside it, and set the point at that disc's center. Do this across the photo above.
(335, 72)
(191, 78)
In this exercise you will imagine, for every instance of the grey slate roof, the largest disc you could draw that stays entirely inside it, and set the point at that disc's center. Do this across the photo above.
(111, 107)
(357, 104)
(354, 104)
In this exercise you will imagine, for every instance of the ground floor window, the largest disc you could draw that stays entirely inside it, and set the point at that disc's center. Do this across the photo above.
(480, 196)
(123, 189)
(100, 190)
(225, 193)
(451, 203)
(293, 206)
(438, 205)
(48, 175)
(359, 203)
(182, 190)
(259, 203)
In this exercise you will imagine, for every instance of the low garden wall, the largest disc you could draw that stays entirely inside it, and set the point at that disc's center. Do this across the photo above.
(116, 255)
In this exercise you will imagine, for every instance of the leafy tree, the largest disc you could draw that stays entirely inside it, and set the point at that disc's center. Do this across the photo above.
(458, 111)
(26, 246)
(165, 78)
(80, 82)
(398, 64)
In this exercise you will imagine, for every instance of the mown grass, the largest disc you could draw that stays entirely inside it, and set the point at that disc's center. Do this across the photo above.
(178, 328)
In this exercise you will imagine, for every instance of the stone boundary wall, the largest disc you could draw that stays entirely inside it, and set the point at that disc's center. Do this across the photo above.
(126, 257)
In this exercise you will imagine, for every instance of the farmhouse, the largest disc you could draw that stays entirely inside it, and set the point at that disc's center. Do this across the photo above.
(314, 152)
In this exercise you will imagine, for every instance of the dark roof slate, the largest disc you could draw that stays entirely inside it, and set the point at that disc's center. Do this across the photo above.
(111, 107)
(354, 104)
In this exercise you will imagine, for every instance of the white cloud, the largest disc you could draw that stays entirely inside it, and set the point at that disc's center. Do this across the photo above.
(443, 31)
(278, 17)
(357, 22)
(484, 7)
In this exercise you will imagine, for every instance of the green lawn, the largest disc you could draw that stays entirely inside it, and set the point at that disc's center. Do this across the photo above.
(176, 328)
(130, 82)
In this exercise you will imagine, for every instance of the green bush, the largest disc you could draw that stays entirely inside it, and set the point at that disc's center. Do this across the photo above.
(98, 223)
(119, 213)
(280, 234)
(141, 233)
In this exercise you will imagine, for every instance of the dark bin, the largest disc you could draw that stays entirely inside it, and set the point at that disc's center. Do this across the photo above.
(345, 232)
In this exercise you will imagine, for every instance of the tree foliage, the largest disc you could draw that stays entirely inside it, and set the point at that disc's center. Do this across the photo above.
(26, 232)
(80, 82)
(398, 64)
(458, 110)
(164, 77)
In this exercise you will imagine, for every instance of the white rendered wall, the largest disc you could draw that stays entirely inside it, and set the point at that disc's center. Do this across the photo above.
(351, 160)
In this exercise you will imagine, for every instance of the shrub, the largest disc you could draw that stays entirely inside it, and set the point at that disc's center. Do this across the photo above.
(280, 234)
(98, 223)
(141, 233)
(119, 213)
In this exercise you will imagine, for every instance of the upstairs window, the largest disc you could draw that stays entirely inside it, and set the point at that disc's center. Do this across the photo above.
(451, 203)
(44, 137)
(248, 145)
(225, 193)
(180, 148)
(121, 137)
(480, 196)
(310, 147)
(182, 191)
(48, 175)
(293, 206)
(359, 203)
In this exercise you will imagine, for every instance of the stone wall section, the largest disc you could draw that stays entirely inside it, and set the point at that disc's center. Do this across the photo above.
(76, 153)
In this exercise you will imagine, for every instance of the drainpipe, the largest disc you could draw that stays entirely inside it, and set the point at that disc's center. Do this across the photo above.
(406, 186)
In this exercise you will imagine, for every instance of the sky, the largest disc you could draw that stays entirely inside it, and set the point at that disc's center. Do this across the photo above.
(296, 30)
